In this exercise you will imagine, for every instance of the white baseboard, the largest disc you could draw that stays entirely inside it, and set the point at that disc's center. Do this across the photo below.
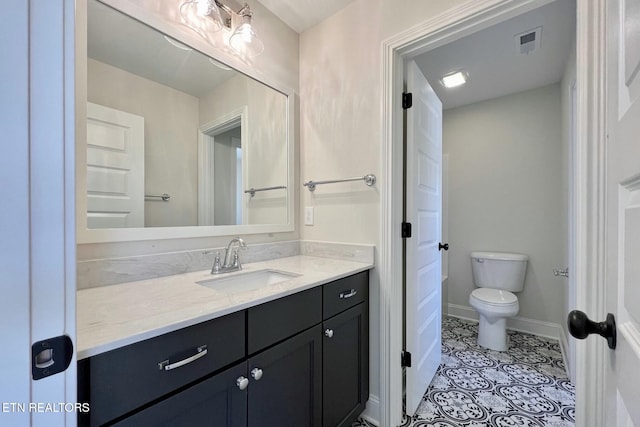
(462, 312)
(530, 326)
(522, 324)
(372, 412)
(564, 348)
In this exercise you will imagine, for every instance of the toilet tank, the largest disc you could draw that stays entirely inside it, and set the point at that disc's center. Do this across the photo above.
(499, 270)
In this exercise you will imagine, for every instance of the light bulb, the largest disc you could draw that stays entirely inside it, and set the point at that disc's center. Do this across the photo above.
(244, 39)
(202, 16)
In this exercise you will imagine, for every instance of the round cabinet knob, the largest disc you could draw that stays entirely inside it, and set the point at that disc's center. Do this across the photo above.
(328, 333)
(242, 383)
(256, 373)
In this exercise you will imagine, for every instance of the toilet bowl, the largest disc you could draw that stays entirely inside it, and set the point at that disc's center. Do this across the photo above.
(497, 275)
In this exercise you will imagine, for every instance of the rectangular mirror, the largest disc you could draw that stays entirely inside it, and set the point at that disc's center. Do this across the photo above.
(178, 144)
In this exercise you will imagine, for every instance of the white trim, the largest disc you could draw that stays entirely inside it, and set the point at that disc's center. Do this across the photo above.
(39, 264)
(590, 218)
(390, 266)
(570, 348)
(372, 412)
(521, 324)
(206, 157)
(564, 347)
(453, 24)
(206, 189)
(14, 245)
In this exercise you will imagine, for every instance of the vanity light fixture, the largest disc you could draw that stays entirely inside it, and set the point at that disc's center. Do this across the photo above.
(454, 79)
(204, 17)
(244, 39)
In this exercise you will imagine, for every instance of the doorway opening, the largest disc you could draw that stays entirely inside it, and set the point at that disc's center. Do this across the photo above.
(397, 52)
(222, 170)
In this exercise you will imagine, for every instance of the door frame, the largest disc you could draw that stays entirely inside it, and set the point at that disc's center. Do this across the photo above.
(589, 187)
(206, 169)
(39, 245)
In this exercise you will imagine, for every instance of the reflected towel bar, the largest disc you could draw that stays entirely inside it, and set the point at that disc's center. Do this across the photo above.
(164, 196)
(368, 179)
(252, 191)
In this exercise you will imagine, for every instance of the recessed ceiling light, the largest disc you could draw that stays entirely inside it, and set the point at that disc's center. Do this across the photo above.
(454, 79)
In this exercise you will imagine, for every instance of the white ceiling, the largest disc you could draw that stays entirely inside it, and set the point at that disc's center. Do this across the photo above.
(143, 51)
(491, 60)
(304, 14)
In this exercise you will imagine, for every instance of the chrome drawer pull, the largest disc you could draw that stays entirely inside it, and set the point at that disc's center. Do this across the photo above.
(348, 294)
(166, 366)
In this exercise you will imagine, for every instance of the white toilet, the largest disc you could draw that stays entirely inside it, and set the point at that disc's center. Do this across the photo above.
(497, 275)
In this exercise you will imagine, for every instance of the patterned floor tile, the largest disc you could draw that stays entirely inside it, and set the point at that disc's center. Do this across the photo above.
(525, 386)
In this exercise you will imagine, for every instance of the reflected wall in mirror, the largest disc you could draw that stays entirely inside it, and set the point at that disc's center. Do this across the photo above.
(164, 119)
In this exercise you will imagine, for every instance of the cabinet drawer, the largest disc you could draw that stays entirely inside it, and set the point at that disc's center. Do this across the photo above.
(124, 379)
(274, 321)
(344, 293)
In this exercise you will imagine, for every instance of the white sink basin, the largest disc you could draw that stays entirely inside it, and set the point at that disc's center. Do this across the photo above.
(250, 280)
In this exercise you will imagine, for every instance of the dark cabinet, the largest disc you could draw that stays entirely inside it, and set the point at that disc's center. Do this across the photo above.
(285, 387)
(123, 380)
(217, 402)
(299, 361)
(345, 359)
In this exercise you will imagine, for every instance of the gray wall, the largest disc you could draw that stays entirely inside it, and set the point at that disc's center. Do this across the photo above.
(505, 187)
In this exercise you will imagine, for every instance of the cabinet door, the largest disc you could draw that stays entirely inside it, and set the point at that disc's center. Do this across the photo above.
(345, 359)
(285, 383)
(215, 402)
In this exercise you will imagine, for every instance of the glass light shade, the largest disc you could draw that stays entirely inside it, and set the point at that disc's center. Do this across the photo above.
(203, 16)
(245, 40)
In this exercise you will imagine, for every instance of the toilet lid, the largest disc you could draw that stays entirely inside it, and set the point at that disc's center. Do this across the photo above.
(494, 296)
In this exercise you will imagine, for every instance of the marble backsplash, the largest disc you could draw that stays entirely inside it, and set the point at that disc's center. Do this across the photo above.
(111, 271)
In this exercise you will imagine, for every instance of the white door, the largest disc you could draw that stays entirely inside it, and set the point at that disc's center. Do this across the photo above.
(623, 210)
(115, 168)
(37, 248)
(424, 212)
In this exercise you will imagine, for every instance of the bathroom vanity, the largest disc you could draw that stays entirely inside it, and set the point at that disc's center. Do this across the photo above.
(293, 353)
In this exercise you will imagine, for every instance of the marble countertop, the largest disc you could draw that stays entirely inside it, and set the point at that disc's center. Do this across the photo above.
(114, 316)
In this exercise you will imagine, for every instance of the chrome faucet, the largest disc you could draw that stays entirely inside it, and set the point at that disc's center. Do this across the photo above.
(231, 258)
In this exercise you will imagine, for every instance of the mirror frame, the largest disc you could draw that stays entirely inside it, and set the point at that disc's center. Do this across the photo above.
(182, 34)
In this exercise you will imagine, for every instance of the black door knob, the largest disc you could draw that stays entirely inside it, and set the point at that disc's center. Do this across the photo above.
(442, 246)
(580, 327)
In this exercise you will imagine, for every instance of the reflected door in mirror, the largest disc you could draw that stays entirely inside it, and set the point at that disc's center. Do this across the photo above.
(115, 168)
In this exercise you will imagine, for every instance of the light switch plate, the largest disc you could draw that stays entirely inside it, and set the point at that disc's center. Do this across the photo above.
(308, 215)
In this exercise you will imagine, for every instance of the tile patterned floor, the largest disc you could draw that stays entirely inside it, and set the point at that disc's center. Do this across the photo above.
(525, 386)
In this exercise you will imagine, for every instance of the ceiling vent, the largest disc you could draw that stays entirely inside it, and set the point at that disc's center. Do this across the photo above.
(528, 41)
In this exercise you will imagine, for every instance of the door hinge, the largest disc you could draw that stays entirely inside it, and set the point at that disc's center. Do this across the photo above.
(407, 100)
(406, 230)
(405, 359)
